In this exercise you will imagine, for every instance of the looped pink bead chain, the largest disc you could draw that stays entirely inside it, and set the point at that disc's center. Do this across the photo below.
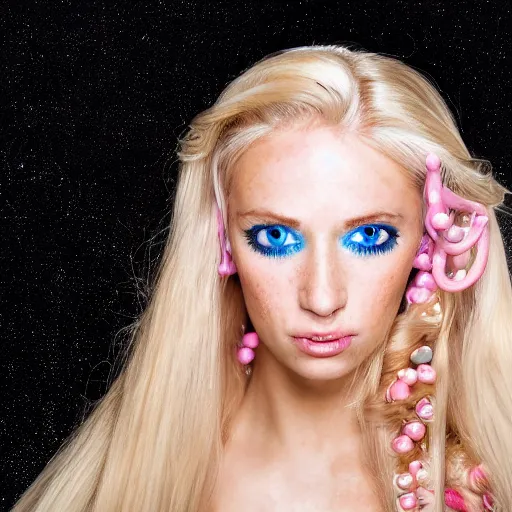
(445, 239)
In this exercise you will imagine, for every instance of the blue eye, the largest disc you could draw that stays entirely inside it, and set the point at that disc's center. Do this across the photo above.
(274, 241)
(371, 239)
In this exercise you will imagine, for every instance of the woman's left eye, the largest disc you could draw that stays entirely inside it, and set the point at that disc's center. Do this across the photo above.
(371, 239)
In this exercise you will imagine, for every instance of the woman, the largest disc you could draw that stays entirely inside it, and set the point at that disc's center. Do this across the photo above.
(349, 349)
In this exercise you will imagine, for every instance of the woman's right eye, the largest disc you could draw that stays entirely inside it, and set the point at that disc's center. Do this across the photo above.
(274, 241)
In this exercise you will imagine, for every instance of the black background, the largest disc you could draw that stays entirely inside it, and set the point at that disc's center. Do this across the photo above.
(94, 97)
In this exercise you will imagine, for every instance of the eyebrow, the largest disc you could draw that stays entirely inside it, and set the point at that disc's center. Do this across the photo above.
(295, 224)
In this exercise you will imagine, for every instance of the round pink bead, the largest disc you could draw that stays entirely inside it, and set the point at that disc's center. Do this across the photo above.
(418, 295)
(245, 355)
(404, 481)
(433, 162)
(408, 375)
(454, 234)
(399, 390)
(250, 340)
(414, 467)
(402, 444)
(415, 430)
(408, 501)
(424, 409)
(426, 374)
(441, 221)
(426, 280)
(423, 262)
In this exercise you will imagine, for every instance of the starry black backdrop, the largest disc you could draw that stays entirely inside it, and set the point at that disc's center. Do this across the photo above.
(94, 98)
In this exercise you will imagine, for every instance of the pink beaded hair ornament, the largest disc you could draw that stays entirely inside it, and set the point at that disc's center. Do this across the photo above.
(444, 239)
(443, 243)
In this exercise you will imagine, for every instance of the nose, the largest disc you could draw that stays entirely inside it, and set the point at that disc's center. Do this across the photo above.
(322, 288)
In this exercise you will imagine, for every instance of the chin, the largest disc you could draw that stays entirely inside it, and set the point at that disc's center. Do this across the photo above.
(322, 370)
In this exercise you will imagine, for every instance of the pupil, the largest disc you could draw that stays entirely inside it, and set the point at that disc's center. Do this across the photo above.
(275, 233)
(369, 231)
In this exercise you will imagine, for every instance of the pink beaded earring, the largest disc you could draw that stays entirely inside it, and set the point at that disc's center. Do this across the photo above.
(444, 241)
(245, 353)
(250, 340)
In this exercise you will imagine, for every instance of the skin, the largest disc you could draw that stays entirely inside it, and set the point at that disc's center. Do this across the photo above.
(295, 443)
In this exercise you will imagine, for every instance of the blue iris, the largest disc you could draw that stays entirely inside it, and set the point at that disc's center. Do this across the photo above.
(277, 241)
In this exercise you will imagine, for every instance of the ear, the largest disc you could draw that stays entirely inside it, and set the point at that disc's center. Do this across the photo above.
(226, 267)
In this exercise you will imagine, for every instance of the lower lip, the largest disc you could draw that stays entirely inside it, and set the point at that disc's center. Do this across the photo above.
(323, 348)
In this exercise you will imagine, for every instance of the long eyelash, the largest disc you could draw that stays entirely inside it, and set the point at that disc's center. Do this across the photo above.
(371, 251)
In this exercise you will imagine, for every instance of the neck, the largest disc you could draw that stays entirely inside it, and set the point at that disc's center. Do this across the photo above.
(287, 413)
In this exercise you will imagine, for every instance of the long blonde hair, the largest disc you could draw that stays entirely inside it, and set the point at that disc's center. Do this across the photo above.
(153, 443)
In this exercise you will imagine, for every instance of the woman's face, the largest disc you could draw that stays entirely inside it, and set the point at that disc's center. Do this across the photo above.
(323, 230)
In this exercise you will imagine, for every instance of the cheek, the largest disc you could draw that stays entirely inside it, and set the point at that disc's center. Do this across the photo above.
(263, 294)
(382, 293)
(389, 290)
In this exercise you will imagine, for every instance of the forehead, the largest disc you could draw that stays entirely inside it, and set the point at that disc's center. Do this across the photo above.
(317, 171)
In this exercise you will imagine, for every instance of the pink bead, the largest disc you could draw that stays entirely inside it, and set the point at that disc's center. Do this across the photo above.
(245, 355)
(441, 221)
(250, 340)
(409, 376)
(454, 500)
(426, 280)
(399, 390)
(455, 234)
(488, 501)
(408, 501)
(414, 467)
(415, 430)
(424, 409)
(416, 295)
(477, 477)
(433, 162)
(404, 481)
(423, 262)
(426, 374)
(402, 444)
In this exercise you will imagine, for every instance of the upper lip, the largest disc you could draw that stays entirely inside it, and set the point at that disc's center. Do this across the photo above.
(333, 335)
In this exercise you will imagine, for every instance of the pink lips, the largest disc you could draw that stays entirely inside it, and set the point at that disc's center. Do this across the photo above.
(328, 348)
